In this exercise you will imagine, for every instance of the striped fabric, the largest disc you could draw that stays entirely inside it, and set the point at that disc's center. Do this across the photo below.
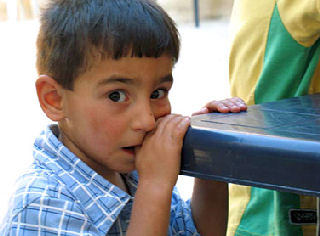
(61, 195)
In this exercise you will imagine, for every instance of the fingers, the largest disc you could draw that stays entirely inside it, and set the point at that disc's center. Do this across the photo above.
(234, 104)
(240, 103)
(203, 110)
(173, 125)
(159, 157)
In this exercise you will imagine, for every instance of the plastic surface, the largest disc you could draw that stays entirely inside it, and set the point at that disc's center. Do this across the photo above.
(273, 145)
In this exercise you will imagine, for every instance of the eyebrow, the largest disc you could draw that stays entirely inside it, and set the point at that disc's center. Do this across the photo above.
(116, 79)
(167, 78)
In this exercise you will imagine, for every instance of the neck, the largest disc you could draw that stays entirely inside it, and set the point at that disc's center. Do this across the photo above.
(117, 180)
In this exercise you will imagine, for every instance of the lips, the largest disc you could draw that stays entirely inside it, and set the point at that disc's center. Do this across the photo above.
(129, 150)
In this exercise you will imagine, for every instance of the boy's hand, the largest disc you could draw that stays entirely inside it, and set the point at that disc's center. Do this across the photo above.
(224, 106)
(158, 160)
(158, 164)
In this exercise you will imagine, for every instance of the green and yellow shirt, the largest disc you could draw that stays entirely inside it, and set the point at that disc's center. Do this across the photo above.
(274, 54)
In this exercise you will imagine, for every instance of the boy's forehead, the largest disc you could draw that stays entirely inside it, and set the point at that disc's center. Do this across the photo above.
(130, 63)
(130, 81)
(126, 69)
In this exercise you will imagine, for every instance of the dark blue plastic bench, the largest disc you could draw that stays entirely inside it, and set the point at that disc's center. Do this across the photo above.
(273, 145)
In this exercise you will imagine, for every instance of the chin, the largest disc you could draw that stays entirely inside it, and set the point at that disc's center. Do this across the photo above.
(127, 170)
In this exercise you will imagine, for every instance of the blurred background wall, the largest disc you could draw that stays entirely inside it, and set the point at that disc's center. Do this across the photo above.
(181, 10)
(18, 9)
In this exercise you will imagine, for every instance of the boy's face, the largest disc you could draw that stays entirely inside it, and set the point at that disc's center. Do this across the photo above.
(112, 107)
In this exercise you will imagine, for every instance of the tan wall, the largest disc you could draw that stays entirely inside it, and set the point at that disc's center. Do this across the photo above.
(24, 10)
(3, 11)
(183, 10)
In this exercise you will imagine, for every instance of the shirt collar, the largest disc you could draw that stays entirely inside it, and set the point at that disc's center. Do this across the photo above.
(101, 200)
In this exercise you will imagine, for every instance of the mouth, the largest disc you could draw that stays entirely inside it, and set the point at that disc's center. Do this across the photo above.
(130, 150)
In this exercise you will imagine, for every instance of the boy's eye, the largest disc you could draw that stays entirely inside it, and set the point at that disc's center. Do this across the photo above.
(159, 93)
(117, 96)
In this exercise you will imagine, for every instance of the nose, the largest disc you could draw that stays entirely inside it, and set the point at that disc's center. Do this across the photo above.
(144, 118)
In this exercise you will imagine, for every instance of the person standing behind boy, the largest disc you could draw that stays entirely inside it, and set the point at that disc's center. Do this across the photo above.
(105, 71)
(274, 55)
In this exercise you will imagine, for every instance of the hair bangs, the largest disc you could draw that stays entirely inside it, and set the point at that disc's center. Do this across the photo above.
(137, 29)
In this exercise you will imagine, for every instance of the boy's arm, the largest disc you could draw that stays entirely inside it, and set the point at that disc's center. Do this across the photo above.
(158, 165)
(151, 210)
(209, 203)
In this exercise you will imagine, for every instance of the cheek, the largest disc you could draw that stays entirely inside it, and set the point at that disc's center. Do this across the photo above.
(92, 122)
(104, 134)
(106, 125)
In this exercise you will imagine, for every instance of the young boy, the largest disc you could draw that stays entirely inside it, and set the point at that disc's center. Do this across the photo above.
(105, 72)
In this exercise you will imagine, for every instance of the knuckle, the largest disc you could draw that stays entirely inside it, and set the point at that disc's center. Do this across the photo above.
(227, 103)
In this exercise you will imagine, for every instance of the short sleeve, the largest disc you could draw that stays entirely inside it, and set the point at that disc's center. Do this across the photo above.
(301, 19)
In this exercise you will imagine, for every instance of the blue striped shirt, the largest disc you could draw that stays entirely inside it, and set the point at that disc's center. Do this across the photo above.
(61, 195)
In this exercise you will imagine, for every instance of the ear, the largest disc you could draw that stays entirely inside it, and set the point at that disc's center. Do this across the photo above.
(49, 95)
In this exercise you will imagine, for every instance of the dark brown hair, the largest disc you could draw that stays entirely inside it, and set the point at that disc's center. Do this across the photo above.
(71, 31)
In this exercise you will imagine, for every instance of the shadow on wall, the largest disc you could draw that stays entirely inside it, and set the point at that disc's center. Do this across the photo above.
(182, 11)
